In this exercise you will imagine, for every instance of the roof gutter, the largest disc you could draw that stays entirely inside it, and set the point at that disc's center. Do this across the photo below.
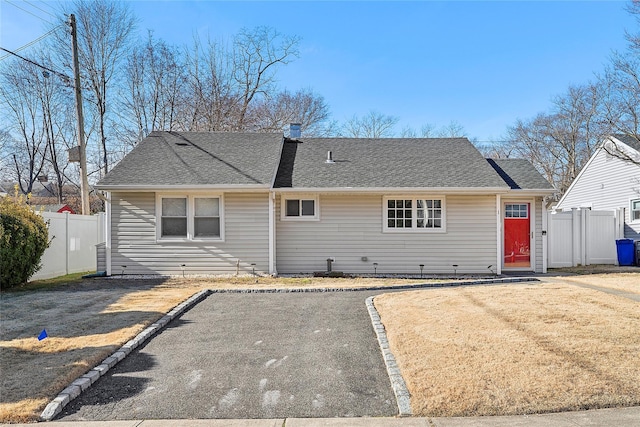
(186, 187)
(403, 190)
(533, 191)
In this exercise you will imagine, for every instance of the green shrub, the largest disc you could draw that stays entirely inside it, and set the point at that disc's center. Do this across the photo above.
(24, 236)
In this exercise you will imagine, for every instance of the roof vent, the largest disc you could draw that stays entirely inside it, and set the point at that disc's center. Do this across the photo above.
(329, 157)
(295, 130)
(182, 144)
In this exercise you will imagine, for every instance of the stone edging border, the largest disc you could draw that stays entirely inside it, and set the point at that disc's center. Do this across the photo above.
(86, 380)
(395, 376)
(378, 288)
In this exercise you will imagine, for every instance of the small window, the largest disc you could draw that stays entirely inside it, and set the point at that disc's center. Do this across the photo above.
(635, 210)
(516, 210)
(301, 209)
(174, 217)
(206, 218)
(414, 214)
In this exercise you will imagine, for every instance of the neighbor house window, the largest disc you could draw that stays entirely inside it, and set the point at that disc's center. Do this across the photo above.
(414, 214)
(635, 210)
(189, 217)
(300, 208)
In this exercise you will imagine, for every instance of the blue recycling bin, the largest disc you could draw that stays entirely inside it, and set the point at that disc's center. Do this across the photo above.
(625, 251)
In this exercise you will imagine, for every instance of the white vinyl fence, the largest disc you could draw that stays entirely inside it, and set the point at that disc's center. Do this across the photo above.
(73, 244)
(583, 237)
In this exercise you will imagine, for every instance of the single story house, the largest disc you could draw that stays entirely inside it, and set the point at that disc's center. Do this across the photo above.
(226, 203)
(610, 180)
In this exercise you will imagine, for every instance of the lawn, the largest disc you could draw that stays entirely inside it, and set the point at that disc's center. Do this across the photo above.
(517, 349)
(554, 335)
(87, 320)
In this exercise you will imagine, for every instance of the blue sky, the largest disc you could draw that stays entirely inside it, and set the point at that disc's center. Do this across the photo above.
(482, 64)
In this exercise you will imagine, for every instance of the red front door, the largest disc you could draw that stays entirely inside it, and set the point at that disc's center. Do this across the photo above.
(517, 232)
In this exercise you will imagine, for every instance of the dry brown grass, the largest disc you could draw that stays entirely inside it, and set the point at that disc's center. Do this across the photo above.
(514, 349)
(85, 322)
(89, 319)
(625, 282)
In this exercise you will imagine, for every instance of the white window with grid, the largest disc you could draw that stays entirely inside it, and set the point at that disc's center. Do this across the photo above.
(414, 214)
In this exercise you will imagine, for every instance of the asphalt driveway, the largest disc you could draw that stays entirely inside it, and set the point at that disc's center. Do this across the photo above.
(276, 355)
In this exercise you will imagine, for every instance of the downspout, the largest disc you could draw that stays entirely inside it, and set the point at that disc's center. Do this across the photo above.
(107, 209)
(67, 243)
(499, 238)
(273, 270)
(272, 234)
(545, 222)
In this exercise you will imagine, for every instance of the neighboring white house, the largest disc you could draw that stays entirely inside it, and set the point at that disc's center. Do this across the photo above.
(608, 182)
(215, 202)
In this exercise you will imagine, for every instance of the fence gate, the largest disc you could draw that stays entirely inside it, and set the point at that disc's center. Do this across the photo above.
(583, 237)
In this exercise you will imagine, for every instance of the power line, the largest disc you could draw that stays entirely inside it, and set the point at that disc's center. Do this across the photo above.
(30, 13)
(47, 3)
(42, 10)
(31, 43)
(61, 75)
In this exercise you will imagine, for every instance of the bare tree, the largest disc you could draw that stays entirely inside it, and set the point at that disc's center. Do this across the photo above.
(105, 28)
(256, 56)
(372, 125)
(560, 142)
(620, 112)
(212, 101)
(42, 106)
(453, 130)
(275, 113)
(155, 78)
(620, 91)
(229, 86)
(27, 122)
(5, 155)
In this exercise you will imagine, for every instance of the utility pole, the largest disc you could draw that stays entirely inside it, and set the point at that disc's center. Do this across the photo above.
(84, 183)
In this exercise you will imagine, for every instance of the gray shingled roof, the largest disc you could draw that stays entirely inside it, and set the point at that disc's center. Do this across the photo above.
(520, 174)
(385, 163)
(198, 158)
(166, 159)
(630, 141)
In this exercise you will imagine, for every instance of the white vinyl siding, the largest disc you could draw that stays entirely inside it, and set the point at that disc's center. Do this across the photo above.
(606, 183)
(351, 230)
(135, 245)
